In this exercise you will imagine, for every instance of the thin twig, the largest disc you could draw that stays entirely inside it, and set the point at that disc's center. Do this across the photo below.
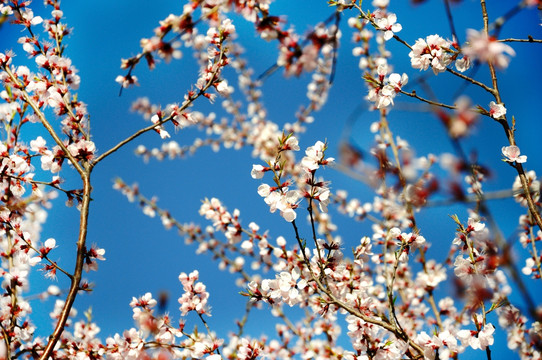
(416, 96)
(185, 105)
(529, 40)
(451, 20)
(471, 80)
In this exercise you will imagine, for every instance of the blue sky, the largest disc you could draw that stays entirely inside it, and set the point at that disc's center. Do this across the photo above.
(142, 256)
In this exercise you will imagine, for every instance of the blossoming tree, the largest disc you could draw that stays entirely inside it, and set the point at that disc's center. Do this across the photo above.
(387, 290)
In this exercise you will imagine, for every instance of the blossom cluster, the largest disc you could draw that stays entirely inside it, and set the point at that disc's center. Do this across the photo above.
(434, 52)
(281, 197)
(383, 90)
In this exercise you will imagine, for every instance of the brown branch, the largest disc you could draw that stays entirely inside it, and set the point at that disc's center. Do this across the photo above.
(79, 262)
(510, 131)
(471, 80)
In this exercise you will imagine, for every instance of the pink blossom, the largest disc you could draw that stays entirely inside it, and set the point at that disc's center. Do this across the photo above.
(223, 89)
(48, 245)
(82, 149)
(264, 190)
(512, 154)
(463, 268)
(258, 171)
(314, 157)
(7, 111)
(159, 129)
(291, 143)
(195, 296)
(530, 266)
(496, 110)
(463, 64)
(38, 145)
(127, 81)
(389, 25)
(383, 91)
(144, 301)
(5, 10)
(462, 121)
(444, 342)
(432, 51)
(285, 287)
(381, 3)
(475, 225)
(28, 17)
(227, 27)
(432, 275)
(53, 290)
(286, 202)
(487, 49)
(478, 340)
(52, 160)
(91, 256)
